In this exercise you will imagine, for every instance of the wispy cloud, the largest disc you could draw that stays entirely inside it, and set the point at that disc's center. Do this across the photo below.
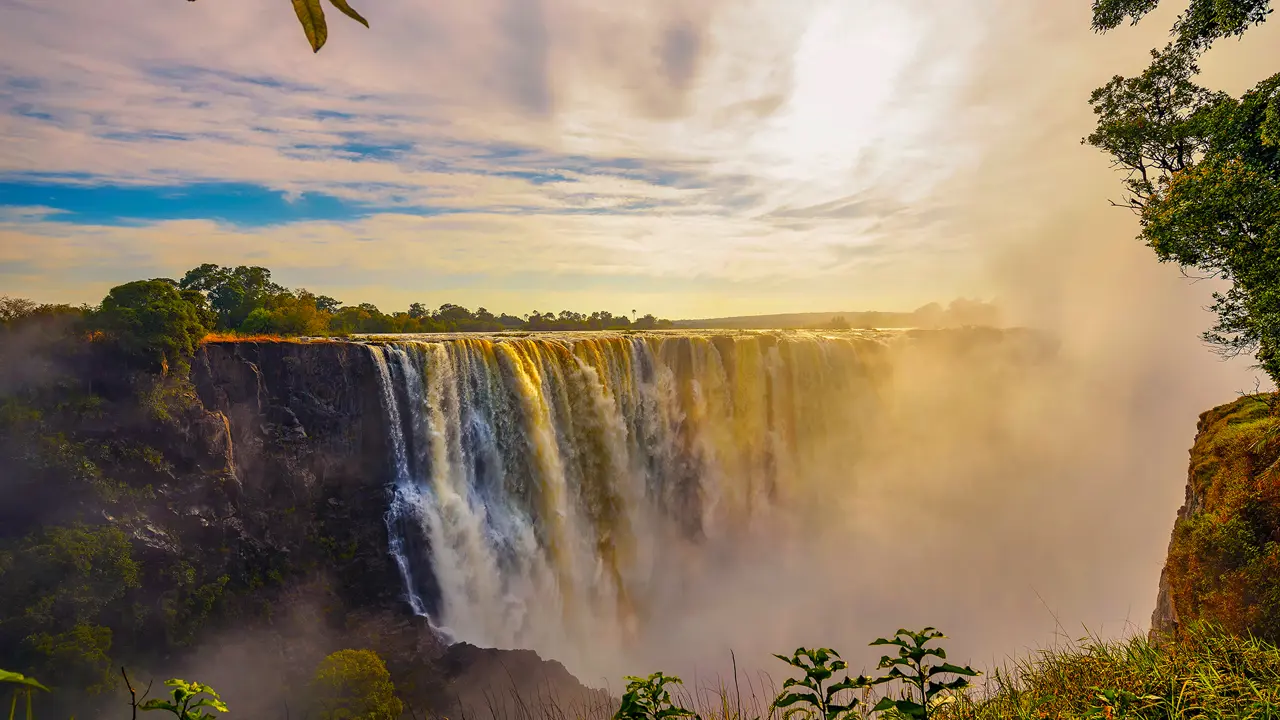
(675, 139)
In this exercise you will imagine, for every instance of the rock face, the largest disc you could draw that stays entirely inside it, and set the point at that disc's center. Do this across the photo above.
(1223, 565)
(309, 457)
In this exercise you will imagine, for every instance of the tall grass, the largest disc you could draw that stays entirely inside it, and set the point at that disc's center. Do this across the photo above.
(1205, 674)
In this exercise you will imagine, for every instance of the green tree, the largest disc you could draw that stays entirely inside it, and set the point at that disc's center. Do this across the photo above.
(233, 293)
(1197, 27)
(152, 323)
(355, 685)
(60, 587)
(1203, 168)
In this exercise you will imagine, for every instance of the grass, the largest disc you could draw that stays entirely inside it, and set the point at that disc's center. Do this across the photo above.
(1206, 674)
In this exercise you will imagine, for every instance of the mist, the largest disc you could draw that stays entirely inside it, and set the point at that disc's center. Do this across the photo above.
(1037, 502)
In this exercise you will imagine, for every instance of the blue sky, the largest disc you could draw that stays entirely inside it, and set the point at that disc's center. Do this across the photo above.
(691, 158)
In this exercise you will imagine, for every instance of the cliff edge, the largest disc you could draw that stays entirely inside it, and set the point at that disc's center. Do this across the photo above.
(1223, 565)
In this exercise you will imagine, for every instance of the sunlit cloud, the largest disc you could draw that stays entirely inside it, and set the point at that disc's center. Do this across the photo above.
(667, 139)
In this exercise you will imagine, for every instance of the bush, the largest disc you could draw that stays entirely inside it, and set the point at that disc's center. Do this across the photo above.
(153, 323)
(355, 685)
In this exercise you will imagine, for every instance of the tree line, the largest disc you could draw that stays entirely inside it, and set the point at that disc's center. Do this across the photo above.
(160, 321)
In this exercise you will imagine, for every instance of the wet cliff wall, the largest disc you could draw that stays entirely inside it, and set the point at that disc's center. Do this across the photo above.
(308, 448)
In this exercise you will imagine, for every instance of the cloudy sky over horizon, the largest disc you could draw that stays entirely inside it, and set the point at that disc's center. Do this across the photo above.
(685, 157)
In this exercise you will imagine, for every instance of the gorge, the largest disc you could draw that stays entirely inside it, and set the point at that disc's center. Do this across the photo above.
(562, 492)
(613, 502)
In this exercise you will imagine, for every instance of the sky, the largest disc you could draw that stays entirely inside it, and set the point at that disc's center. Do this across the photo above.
(689, 158)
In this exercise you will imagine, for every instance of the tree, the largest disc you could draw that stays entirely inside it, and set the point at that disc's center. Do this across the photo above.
(1196, 28)
(152, 323)
(1202, 168)
(355, 685)
(233, 293)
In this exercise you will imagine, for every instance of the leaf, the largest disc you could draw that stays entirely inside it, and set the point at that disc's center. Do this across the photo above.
(791, 699)
(949, 668)
(20, 679)
(846, 684)
(349, 11)
(311, 15)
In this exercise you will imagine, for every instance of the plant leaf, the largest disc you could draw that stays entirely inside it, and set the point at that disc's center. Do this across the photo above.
(311, 15)
(349, 11)
(20, 679)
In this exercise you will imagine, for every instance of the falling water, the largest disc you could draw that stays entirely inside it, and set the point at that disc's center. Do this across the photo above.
(546, 488)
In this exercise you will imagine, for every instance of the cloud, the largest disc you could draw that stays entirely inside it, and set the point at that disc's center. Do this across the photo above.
(719, 119)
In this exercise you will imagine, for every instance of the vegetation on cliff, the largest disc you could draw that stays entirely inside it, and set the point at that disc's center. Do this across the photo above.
(1224, 557)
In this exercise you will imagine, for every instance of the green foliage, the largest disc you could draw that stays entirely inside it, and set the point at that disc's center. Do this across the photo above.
(1207, 673)
(232, 293)
(1203, 169)
(152, 322)
(1224, 561)
(59, 588)
(25, 687)
(649, 699)
(355, 685)
(811, 696)
(246, 301)
(915, 667)
(1197, 27)
(187, 701)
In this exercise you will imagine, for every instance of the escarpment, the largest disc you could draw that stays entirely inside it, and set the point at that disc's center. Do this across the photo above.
(1223, 565)
(308, 443)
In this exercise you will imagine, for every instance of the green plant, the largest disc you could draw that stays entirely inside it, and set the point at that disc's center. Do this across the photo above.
(25, 687)
(648, 699)
(355, 684)
(918, 673)
(186, 702)
(808, 695)
(1120, 704)
(152, 322)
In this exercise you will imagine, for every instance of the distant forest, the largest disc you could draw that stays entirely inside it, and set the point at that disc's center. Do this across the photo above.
(958, 313)
(245, 300)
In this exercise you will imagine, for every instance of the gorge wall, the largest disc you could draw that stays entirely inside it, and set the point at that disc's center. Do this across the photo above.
(1224, 554)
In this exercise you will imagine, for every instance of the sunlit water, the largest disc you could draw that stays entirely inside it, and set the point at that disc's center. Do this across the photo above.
(552, 490)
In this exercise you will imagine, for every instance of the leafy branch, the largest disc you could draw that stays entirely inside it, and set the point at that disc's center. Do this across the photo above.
(186, 702)
(311, 15)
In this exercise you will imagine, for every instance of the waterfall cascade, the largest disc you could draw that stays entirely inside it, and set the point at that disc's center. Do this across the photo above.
(547, 488)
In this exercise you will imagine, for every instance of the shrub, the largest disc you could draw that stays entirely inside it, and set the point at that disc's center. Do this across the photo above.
(355, 685)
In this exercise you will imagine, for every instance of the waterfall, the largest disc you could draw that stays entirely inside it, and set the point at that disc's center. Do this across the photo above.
(545, 489)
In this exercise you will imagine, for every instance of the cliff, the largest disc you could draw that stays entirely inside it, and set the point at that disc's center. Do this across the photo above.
(225, 522)
(1223, 565)
(308, 457)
